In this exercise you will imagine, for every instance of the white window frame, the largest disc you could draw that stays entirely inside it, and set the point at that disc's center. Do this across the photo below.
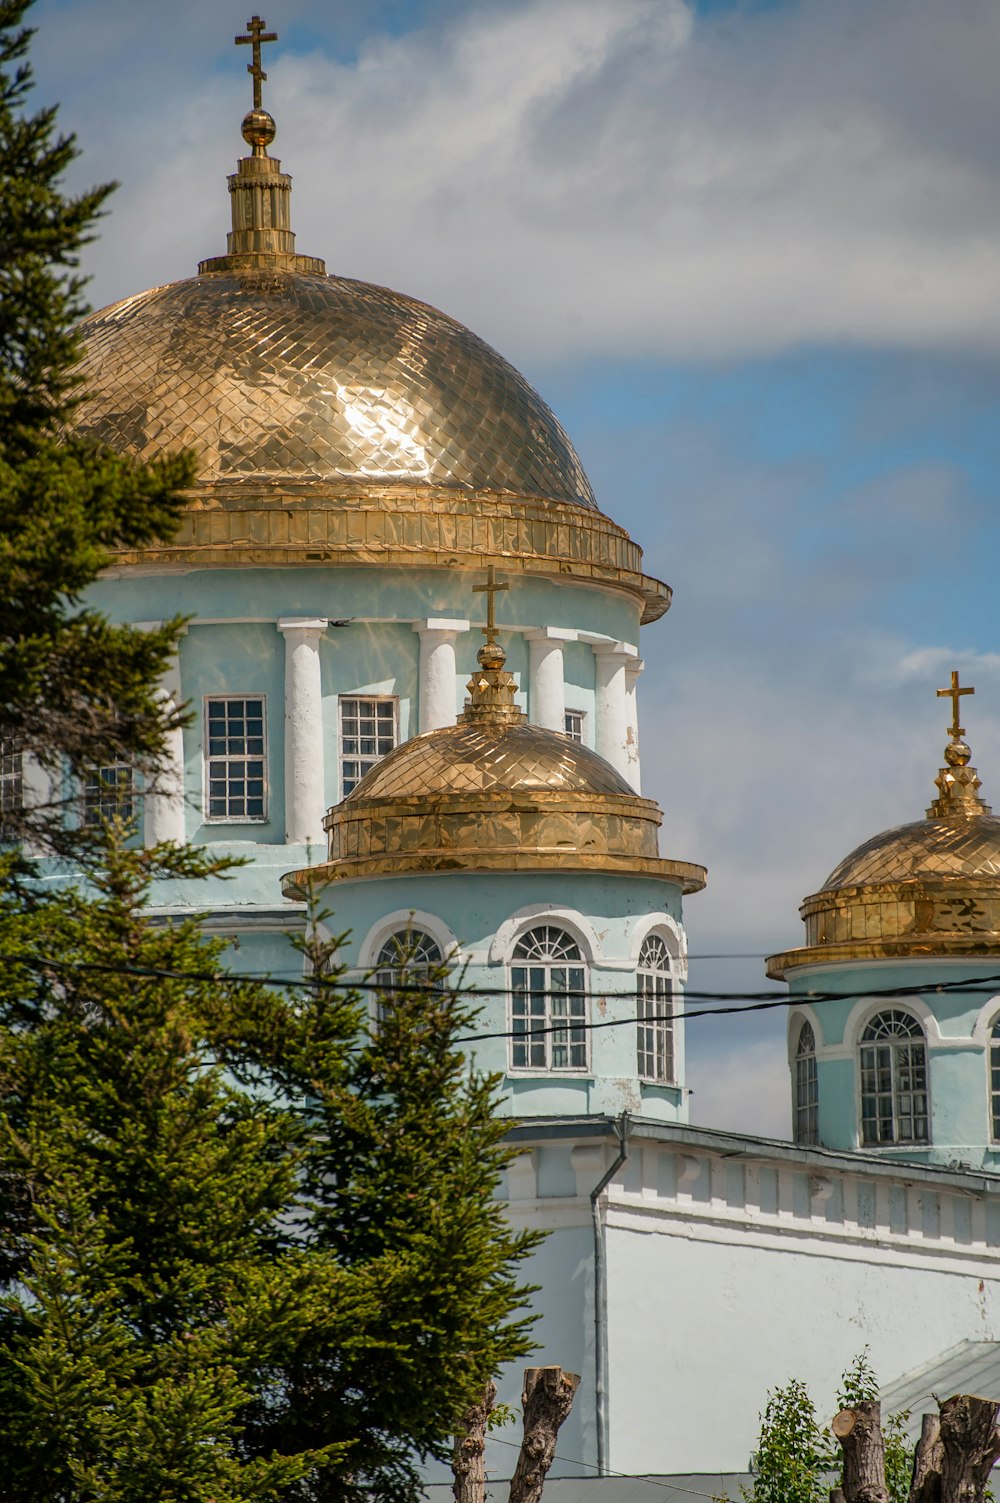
(581, 716)
(654, 1007)
(549, 997)
(805, 1105)
(993, 1076)
(900, 1060)
(107, 792)
(232, 759)
(11, 783)
(405, 955)
(342, 757)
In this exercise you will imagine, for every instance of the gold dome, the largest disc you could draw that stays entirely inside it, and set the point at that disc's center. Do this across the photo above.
(336, 422)
(930, 888)
(493, 793)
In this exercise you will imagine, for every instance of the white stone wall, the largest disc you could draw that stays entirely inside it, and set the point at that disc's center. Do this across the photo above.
(735, 1265)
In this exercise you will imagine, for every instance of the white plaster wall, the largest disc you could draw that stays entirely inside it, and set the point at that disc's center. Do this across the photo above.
(734, 1266)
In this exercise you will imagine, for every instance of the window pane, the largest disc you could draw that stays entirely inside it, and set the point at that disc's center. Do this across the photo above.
(235, 759)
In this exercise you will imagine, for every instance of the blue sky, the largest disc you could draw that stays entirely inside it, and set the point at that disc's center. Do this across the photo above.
(750, 253)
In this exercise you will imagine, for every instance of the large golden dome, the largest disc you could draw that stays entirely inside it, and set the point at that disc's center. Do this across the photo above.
(929, 888)
(300, 377)
(336, 422)
(493, 793)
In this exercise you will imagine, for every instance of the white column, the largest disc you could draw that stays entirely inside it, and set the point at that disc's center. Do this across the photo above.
(163, 798)
(305, 791)
(611, 705)
(633, 668)
(546, 677)
(437, 696)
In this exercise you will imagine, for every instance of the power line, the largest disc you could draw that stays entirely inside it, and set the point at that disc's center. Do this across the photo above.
(750, 1002)
(610, 1472)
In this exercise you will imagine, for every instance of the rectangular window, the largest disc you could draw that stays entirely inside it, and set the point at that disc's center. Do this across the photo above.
(108, 793)
(367, 733)
(11, 786)
(549, 1011)
(655, 1029)
(806, 1100)
(574, 724)
(235, 759)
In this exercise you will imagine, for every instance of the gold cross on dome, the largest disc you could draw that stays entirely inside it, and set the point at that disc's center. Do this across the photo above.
(954, 694)
(257, 34)
(491, 590)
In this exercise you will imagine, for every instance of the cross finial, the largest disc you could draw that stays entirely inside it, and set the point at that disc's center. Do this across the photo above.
(954, 694)
(491, 590)
(256, 35)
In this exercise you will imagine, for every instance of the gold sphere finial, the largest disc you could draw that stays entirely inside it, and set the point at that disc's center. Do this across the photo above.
(258, 129)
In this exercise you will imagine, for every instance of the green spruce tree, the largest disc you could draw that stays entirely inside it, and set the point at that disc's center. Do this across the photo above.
(249, 1249)
(73, 688)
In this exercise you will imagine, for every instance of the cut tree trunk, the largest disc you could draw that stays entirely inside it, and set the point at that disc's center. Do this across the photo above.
(970, 1442)
(468, 1461)
(546, 1401)
(859, 1431)
(928, 1463)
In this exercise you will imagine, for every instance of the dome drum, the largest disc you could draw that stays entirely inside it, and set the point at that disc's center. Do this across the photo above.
(497, 832)
(894, 920)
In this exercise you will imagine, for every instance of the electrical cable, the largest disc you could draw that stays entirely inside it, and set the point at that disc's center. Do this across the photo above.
(751, 1002)
(610, 1472)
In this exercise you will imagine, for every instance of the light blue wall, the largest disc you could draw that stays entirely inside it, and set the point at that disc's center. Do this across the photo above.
(956, 1025)
(615, 913)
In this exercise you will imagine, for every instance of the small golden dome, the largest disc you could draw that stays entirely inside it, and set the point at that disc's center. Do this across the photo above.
(930, 888)
(494, 793)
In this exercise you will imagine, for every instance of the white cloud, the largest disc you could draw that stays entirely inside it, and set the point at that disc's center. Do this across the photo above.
(744, 1091)
(612, 176)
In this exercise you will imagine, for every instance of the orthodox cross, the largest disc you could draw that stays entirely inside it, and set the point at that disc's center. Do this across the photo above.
(257, 34)
(954, 694)
(491, 590)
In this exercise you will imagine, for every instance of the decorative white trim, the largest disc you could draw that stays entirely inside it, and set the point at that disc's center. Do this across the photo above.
(534, 913)
(866, 1008)
(674, 935)
(984, 1020)
(408, 918)
(798, 1014)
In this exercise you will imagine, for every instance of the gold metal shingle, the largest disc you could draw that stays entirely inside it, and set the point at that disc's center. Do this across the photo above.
(294, 377)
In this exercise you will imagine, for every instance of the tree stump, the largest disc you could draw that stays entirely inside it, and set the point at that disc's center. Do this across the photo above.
(468, 1461)
(970, 1442)
(859, 1431)
(928, 1463)
(546, 1401)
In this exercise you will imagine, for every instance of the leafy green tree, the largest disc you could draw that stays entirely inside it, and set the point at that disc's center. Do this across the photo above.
(247, 1251)
(797, 1460)
(73, 687)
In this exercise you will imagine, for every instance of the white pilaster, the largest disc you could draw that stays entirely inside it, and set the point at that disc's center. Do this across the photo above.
(611, 705)
(163, 798)
(546, 677)
(633, 668)
(437, 695)
(305, 797)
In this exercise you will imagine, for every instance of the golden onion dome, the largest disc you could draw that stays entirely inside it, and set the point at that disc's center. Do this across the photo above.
(930, 888)
(335, 421)
(493, 793)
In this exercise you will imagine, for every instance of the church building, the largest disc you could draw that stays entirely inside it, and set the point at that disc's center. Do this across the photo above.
(412, 659)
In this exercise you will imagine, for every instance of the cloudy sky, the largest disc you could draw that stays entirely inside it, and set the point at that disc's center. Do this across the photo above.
(749, 250)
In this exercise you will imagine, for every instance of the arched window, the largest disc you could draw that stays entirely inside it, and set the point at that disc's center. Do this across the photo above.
(404, 959)
(894, 1080)
(548, 1002)
(806, 1087)
(995, 1079)
(654, 1005)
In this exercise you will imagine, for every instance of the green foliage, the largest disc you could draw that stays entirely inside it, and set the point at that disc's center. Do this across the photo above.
(797, 1460)
(246, 1251)
(72, 686)
(790, 1464)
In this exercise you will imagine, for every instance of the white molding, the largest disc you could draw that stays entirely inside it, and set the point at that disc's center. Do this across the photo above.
(866, 1008)
(672, 932)
(570, 919)
(408, 918)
